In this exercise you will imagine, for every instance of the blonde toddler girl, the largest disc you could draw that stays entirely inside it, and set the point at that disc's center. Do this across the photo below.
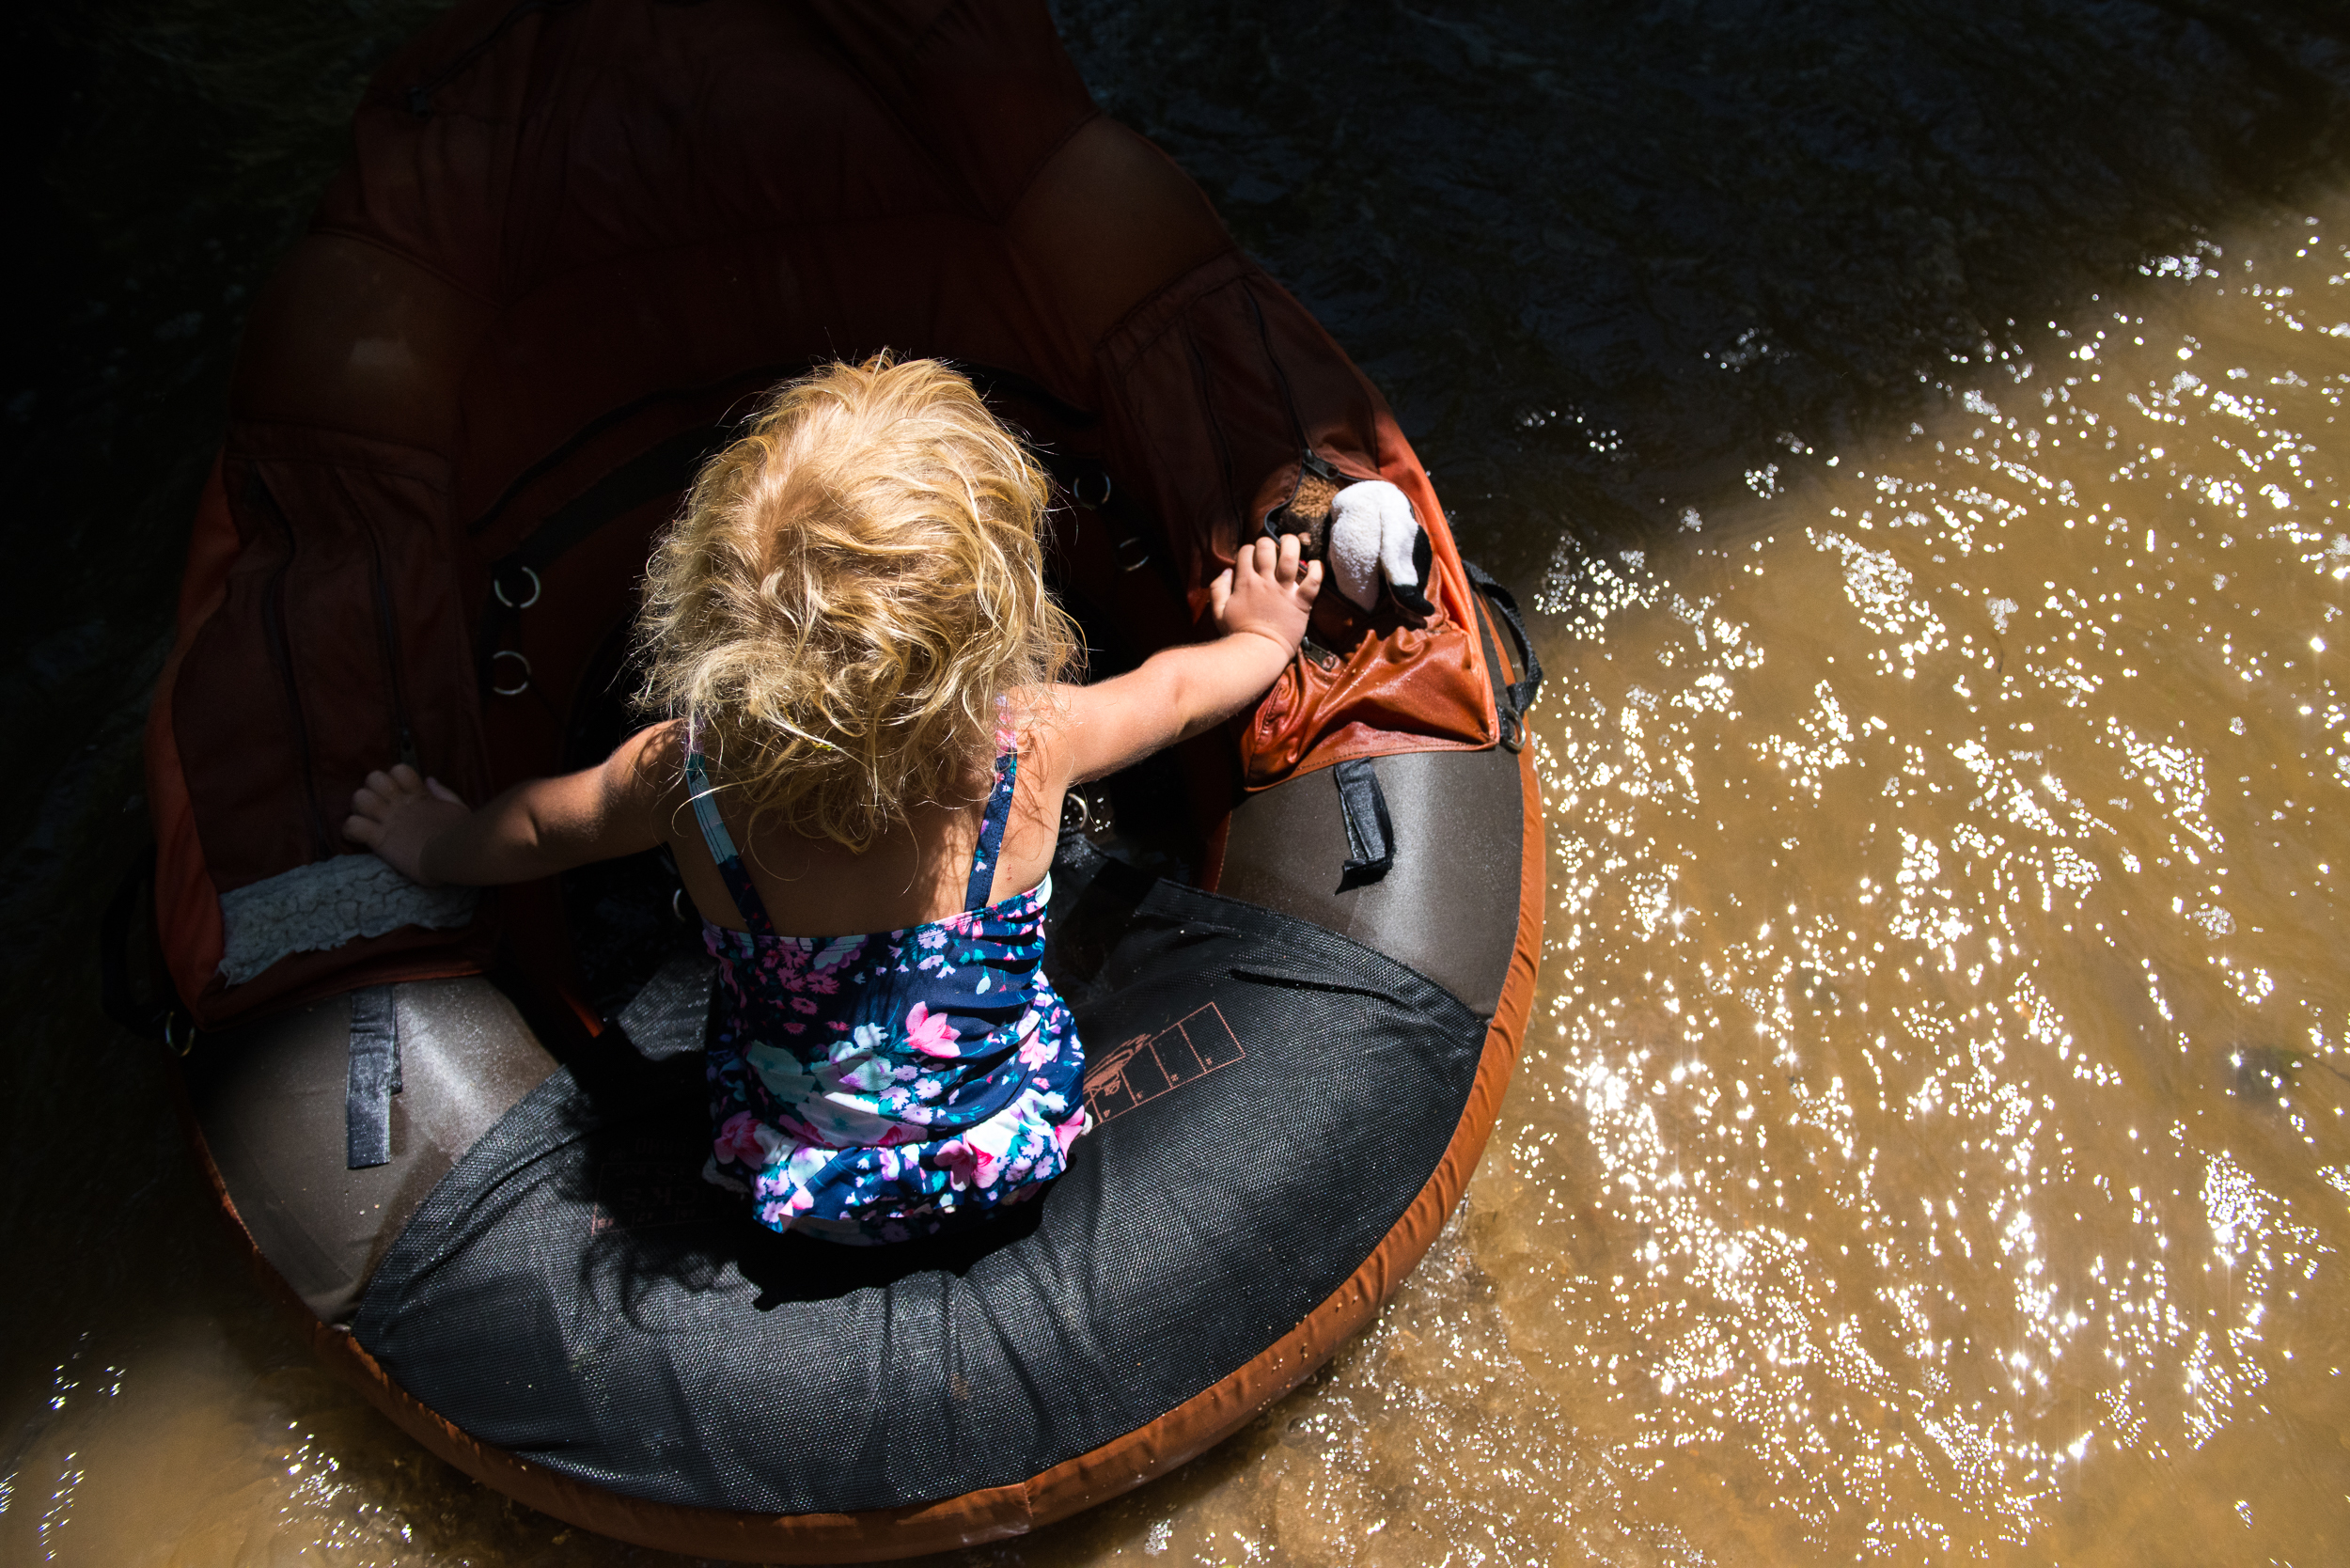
(870, 732)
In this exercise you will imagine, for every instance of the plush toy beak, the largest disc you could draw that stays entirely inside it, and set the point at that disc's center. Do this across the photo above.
(1374, 534)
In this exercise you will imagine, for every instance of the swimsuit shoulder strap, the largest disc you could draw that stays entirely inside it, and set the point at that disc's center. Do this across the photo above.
(729, 861)
(992, 825)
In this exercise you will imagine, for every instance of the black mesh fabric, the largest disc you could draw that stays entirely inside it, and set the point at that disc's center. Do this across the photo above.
(1271, 1097)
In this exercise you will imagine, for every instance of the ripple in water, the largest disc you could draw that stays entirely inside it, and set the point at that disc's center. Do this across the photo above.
(1932, 1137)
(1931, 1141)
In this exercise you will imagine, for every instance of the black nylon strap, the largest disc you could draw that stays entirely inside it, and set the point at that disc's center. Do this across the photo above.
(1520, 692)
(1370, 837)
(374, 1078)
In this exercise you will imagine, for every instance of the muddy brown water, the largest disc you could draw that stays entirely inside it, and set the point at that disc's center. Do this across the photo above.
(1932, 1141)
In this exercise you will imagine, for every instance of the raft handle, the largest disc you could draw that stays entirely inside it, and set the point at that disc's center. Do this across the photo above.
(1370, 833)
(371, 1078)
(520, 686)
(1517, 696)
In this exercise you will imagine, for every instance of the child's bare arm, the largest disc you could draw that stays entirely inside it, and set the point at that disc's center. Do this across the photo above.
(534, 829)
(1261, 606)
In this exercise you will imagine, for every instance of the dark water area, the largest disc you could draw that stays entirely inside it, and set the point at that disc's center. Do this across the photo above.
(1605, 260)
(1629, 276)
(161, 158)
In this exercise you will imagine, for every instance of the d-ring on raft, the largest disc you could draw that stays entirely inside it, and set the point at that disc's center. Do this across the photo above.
(573, 242)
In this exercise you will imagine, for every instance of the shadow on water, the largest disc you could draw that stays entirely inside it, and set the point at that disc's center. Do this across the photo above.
(161, 158)
(1624, 254)
(1605, 261)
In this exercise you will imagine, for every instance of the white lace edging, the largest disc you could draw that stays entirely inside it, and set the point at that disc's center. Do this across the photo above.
(326, 904)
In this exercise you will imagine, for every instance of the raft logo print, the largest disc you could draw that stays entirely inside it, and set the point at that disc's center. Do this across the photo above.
(1149, 1065)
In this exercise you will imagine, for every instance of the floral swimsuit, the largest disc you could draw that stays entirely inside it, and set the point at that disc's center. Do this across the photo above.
(873, 1088)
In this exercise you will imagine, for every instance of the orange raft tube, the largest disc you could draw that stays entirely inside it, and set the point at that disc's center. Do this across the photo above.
(457, 1135)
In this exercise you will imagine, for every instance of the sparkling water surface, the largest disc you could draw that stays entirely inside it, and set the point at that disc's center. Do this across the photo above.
(1917, 439)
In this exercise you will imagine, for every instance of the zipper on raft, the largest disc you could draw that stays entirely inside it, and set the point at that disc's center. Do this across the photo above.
(281, 655)
(387, 636)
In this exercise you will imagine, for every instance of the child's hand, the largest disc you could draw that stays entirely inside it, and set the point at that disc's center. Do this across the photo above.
(398, 814)
(1260, 607)
(1268, 590)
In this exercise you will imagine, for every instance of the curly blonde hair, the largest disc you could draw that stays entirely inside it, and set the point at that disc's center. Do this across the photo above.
(852, 587)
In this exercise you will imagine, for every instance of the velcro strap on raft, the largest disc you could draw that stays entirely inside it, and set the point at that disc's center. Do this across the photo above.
(374, 1078)
(1370, 837)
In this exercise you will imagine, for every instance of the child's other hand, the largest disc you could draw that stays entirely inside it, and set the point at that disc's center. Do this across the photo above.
(398, 814)
(1268, 590)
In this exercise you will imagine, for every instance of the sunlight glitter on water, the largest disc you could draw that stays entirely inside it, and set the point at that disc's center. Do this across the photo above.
(1974, 835)
(1931, 1138)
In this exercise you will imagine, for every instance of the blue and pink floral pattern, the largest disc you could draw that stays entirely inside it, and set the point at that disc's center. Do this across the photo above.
(873, 1088)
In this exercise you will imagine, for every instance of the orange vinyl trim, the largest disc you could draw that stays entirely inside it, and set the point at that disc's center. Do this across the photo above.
(1212, 867)
(997, 1512)
(1401, 466)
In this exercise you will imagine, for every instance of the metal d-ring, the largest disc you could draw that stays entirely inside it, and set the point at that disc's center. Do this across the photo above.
(182, 1039)
(498, 588)
(1132, 554)
(677, 906)
(1079, 489)
(518, 687)
(1082, 812)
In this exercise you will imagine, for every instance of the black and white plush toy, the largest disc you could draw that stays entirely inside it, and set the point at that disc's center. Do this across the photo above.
(1374, 532)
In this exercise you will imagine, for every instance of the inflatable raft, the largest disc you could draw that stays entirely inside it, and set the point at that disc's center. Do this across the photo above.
(461, 1134)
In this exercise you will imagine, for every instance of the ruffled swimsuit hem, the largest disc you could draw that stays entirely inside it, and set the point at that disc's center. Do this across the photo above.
(869, 1089)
